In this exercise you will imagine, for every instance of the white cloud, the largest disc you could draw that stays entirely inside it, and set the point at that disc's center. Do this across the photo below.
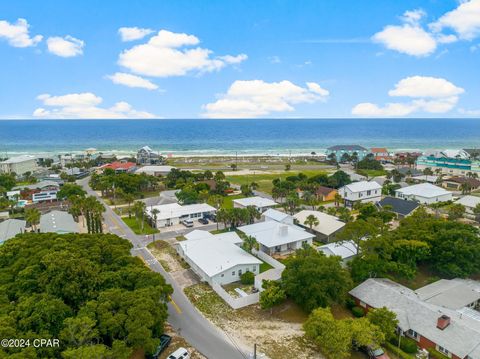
(469, 112)
(464, 20)
(427, 94)
(274, 59)
(67, 46)
(413, 16)
(84, 106)
(407, 38)
(17, 34)
(133, 33)
(121, 78)
(164, 55)
(254, 98)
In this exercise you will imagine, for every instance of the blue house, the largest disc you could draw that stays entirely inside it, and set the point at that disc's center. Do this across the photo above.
(340, 150)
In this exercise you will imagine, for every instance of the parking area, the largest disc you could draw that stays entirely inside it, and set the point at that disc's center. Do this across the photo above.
(185, 278)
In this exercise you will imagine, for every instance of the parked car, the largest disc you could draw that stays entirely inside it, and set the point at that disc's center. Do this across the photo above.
(375, 352)
(212, 217)
(187, 222)
(164, 342)
(203, 220)
(180, 353)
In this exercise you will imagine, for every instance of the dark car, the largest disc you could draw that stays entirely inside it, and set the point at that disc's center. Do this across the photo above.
(375, 352)
(203, 220)
(211, 217)
(164, 342)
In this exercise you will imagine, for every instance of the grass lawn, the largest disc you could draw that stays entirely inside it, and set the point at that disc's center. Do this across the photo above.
(264, 267)
(137, 228)
(424, 276)
(372, 173)
(264, 180)
(228, 201)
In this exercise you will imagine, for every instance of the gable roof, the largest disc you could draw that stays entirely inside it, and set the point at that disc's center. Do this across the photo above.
(426, 190)
(453, 294)
(346, 148)
(379, 150)
(256, 201)
(460, 180)
(276, 215)
(324, 190)
(273, 233)
(38, 185)
(469, 201)
(344, 249)
(213, 254)
(10, 228)
(119, 165)
(400, 206)
(363, 186)
(327, 224)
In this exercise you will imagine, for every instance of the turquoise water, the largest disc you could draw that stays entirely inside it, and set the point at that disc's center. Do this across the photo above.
(203, 136)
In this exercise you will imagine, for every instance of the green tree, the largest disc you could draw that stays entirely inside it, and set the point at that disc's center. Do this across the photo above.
(32, 216)
(250, 243)
(456, 211)
(385, 319)
(272, 295)
(311, 221)
(69, 190)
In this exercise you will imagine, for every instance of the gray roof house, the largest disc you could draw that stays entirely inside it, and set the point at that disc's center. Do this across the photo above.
(399, 206)
(10, 228)
(58, 222)
(443, 315)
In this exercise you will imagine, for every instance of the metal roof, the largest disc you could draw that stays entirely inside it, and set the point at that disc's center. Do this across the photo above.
(58, 222)
(10, 228)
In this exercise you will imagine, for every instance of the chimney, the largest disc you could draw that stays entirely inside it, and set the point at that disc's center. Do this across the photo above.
(283, 230)
(443, 322)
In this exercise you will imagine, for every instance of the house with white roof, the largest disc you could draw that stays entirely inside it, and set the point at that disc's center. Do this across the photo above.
(154, 170)
(424, 193)
(326, 229)
(19, 165)
(58, 222)
(346, 250)
(10, 228)
(277, 237)
(469, 202)
(260, 203)
(443, 315)
(173, 213)
(276, 215)
(147, 156)
(217, 258)
(363, 191)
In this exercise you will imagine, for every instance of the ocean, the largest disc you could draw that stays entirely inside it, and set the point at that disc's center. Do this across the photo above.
(246, 137)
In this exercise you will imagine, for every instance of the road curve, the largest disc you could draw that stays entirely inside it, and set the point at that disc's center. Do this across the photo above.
(182, 315)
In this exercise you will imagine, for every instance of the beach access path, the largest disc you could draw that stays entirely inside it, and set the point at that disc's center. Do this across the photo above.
(182, 315)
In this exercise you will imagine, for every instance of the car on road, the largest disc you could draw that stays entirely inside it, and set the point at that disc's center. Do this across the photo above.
(203, 220)
(180, 353)
(187, 223)
(164, 342)
(375, 352)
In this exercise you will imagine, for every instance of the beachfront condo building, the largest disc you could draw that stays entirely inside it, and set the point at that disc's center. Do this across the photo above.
(342, 150)
(19, 165)
(454, 162)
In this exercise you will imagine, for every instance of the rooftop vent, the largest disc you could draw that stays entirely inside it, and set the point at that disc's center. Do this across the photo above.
(443, 322)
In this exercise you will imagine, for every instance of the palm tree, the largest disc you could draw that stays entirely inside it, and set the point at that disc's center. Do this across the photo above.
(309, 198)
(338, 198)
(311, 221)
(250, 243)
(32, 216)
(155, 212)
(139, 210)
(129, 198)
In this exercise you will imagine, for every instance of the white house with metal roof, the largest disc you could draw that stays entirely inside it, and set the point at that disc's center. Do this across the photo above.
(441, 315)
(154, 170)
(260, 203)
(10, 228)
(277, 237)
(469, 202)
(172, 213)
(327, 225)
(346, 250)
(363, 191)
(424, 193)
(276, 215)
(217, 258)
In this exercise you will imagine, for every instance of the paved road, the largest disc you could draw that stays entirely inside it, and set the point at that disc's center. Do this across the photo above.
(182, 315)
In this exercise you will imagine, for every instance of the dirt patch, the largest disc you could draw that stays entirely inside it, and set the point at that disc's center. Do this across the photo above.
(167, 256)
(279, 335)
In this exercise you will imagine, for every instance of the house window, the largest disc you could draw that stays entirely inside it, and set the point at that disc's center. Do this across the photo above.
(248, 269)
(369, 193)
(412, 333)
(239, 272)
(253, 269)
(363, 304)
(442, 350)
(233, 273)
(221, 275)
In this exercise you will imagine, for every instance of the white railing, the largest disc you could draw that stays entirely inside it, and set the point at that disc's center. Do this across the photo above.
(266, 258)
(235, 303)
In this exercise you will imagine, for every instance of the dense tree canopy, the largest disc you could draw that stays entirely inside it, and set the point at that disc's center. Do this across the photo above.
(85, 290)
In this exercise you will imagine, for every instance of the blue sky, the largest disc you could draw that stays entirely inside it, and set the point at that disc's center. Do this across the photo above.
(226, 59)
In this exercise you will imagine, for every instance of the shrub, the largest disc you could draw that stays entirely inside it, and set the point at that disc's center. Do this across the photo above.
(408, 345)
(350, 303)
(358, 312)
(436, 354)
(247, 278)
(398, 352)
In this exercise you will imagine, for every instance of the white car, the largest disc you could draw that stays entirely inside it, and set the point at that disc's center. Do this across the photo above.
(180, 353)
(187, 223)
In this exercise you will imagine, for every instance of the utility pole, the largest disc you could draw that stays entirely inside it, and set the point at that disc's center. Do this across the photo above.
(255, 351)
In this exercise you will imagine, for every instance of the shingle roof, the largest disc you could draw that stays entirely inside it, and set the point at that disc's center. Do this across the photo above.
(39, 185)
(399, 205)
(347, 148)
(453, 294)
(460, 180)
(327, 224)
(324, 190)
(10, 228)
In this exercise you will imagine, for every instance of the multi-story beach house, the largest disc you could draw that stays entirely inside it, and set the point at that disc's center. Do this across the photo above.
(19, 165)
(363, 191)
(454, 162)
(340, 150)
(146, 156)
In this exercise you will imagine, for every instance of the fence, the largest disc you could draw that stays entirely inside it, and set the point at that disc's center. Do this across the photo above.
(235, 303)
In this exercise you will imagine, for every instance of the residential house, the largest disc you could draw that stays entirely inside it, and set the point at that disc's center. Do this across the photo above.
(401, 207)
(443, 315)
(10, 228)
(59, 222)
(173, 213)
(469, 202)
(324, 194)
(363, 191)
(340, 150)
(19, 165)
(277, 237)
(327, 228)
(260, 203)
(217, 258)
(154, 170)
(120, 166)
(424, 193)
(146, 156)
(458, 183)
(381, 154)
(425, 178)
(346, 250)
(275, 215)
(43, 191)
(452, 162)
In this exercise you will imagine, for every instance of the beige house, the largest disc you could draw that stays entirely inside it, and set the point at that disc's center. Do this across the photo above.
(19, 165)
